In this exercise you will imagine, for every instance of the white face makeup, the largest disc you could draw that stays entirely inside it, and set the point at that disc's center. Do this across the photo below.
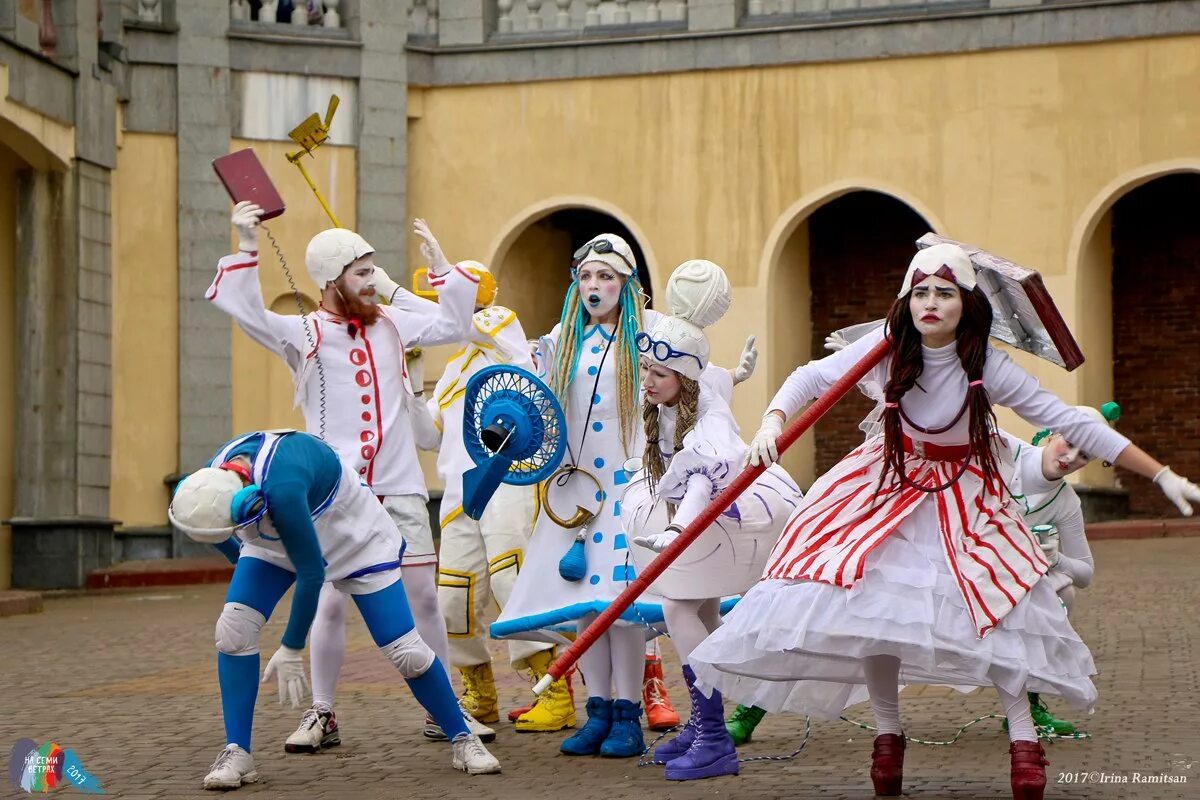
(599, 290)
(936, 307)
(661, 384)
(1060, 458)
(358, 279)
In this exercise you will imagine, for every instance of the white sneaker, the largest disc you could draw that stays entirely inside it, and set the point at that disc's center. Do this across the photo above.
(231, 769)
(434, 731)
(472, 757)
(318, 729)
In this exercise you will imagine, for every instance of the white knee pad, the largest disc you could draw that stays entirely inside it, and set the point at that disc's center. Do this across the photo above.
(410, 654)
(238, 628)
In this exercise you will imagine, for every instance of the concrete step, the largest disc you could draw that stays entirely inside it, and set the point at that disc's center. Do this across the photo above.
(1143, 528)
(18, 601)
(161, 572)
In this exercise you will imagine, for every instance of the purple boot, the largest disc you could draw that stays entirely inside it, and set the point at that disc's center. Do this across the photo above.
(712, 753)
(683, 740)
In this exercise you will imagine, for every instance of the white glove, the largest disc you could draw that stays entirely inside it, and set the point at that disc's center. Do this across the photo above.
(657, 541)
(835, 341)
(385, 287)
(1178, 490)
(1050, 550)
(246, 216)
(416, 370)
(763, 449)
(293, 684)
(430, 249)
(745, 367)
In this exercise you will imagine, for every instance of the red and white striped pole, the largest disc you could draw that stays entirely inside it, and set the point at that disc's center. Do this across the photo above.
(794, 431)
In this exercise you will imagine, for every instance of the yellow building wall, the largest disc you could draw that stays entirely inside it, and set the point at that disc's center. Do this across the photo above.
(145, 344)
(9, 165)
(262, 386)
(1005, 149)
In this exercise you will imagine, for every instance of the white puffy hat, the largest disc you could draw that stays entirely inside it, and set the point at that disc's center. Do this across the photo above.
(676, 344)
(932, 260)
(331, 251)
(607, 248)
(699, 292)
(203, 504)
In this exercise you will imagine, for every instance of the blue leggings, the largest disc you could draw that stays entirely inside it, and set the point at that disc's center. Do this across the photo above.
(260, 585)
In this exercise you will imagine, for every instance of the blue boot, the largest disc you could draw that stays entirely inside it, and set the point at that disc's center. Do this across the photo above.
(587, 741)
(680, 744)
(625, 739)
(712, 754)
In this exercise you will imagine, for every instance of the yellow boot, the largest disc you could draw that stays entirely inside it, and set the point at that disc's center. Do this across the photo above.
(479, 693)
(555, 707)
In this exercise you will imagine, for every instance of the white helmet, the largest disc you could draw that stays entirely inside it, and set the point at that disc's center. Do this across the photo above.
(331, 251)
(676, 344)
(203, 505)
(699, 291)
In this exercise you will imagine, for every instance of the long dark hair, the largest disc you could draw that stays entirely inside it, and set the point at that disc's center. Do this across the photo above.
(971, 338)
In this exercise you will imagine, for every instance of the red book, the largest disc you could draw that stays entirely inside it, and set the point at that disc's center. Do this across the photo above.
(246, 179)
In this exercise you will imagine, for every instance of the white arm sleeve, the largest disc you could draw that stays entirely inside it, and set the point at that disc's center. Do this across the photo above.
(695, 498)
(236, 291)
(807, 382)
(1075, 555)
(423, 323)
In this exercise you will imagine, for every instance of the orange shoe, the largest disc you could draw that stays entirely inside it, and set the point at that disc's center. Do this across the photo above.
(660, 714)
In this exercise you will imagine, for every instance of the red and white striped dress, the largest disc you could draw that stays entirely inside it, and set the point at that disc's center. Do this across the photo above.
(947, 581)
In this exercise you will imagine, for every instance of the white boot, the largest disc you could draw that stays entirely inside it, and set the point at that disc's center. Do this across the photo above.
(231, 769)
(318, 730)
(472, 757)
(477, 728)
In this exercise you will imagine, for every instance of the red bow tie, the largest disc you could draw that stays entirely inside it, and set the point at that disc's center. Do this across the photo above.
(354, 326)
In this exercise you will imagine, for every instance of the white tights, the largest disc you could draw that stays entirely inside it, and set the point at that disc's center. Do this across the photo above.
(614, 662)
(327, 645)
(883, 684)
(690, 622)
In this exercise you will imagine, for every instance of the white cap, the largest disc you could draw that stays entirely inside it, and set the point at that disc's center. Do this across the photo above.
(699, 292)
(620, 257)
(687, 341)
(203, 504)
(932, 259)
(331, 251)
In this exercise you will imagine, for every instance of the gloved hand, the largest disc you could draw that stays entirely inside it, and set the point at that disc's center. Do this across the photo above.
(293, 683)
(745, 367)
(246, 216)
(657, 541)
(763, 449)
(1179, 490)
(835, 341)
(430, 249)
(385, 287)
(415, 361)
(1051, 551)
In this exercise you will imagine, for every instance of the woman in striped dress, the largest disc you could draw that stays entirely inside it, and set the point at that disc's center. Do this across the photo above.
(909, 561)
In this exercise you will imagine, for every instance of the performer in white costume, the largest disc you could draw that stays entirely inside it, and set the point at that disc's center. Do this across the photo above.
(908, 561)
(303, 518)
(347, 363)
(480, 560)
(692, 453)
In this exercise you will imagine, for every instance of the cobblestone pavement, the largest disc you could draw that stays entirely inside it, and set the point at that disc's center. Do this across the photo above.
(127, 680)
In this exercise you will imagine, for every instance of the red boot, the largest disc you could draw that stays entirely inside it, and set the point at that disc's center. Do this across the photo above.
(887, 764)
(1028, 770)
(660, 714)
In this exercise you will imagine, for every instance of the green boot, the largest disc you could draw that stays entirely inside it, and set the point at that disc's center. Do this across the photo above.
(743, 722)
(1042, 717)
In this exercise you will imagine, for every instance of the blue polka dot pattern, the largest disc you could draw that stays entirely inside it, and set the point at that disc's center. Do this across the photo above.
(599, 462)
(623, 573)
(617, 509)
(592, 370)
(619, 542)
(594, 580)
(597, 426)
(595, 349)
(599, 497)
(597, 537)
(595, 399)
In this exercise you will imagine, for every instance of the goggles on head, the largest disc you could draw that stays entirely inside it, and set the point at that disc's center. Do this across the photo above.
(601, 247)
(661, 351)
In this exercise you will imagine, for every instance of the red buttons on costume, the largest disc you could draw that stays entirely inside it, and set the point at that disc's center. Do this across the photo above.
(358, 357)
(367, 452)
(363, 377)
(366, 436)
(366, 416)
(366, 399)
(362, 471)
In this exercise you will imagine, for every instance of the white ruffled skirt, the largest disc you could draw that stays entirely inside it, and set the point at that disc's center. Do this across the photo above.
(798, 645)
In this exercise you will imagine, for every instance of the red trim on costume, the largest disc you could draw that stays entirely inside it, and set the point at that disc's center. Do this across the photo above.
(378, 413)
(238, 470)
(466, 274)
(212, 291)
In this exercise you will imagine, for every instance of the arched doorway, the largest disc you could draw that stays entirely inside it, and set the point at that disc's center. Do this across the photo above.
(841, 265)
(534, 271)
(1156, 328)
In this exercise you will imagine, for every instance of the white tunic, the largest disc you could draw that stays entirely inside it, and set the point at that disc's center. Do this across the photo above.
(360, 385)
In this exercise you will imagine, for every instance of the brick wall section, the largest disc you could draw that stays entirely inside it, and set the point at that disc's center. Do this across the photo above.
(1156, 329)
(859, 248)
(94, 336)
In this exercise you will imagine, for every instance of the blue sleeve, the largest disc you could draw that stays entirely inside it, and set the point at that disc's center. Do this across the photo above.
(287, 502)
(231, 548)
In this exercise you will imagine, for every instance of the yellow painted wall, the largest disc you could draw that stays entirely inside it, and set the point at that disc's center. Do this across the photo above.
(145, 345)
(1004, 149)
(262, 386)
(9, 165)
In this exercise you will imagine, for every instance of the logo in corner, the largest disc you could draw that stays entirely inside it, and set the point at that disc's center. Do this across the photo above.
(47, 768)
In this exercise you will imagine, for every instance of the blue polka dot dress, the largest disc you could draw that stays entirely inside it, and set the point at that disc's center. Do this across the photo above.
(542, 600)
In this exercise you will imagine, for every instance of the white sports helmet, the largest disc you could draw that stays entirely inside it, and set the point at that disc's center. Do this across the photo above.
(331, 251)
(676, 344)
(203, 505)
